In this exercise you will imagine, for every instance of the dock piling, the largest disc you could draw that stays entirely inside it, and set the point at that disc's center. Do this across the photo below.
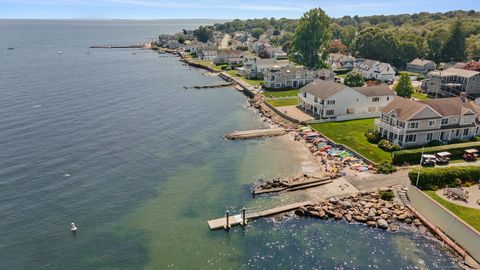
(244, 223)
(227, 224)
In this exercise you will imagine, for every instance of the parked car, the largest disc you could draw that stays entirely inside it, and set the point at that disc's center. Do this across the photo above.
(443, 157)
(470, 154)
(428, 160)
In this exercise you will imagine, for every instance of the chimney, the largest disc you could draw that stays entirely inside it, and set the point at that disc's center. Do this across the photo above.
(463, 95)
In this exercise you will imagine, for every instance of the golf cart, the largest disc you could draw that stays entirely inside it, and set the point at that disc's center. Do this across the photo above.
(428, 160)
(470, 154)
(443, 157)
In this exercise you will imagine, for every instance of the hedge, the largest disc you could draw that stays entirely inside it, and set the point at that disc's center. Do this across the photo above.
(434, 178)
(412, 156)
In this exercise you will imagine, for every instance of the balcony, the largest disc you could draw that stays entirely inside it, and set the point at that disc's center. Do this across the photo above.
(380, 124)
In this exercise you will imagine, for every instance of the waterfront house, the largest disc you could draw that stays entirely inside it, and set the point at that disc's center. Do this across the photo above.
(287, 77)
(335, 101)
(208, 53)
(421, 66)
(277, 53)
(340, 61)
(416, 122)
(452, 82)
(229, 57)
(375, 70)
(255, 68)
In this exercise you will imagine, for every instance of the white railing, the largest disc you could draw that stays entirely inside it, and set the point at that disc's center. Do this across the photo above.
(386, 126)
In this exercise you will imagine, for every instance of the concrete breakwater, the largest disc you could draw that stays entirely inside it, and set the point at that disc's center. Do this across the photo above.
(365, 207)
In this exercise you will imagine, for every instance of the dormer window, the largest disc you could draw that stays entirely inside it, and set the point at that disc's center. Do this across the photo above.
(444, 121)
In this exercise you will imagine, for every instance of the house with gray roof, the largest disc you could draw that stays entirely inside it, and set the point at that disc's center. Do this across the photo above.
(340, 61)
(452, 82)
(287, 77)
(416, 122)
(255, 67)
(375, 70)
(327, 100)
(421, 66)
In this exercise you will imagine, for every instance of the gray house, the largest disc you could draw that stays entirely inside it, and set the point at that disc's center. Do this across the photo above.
(452, 82)
(287, 77)
(421, 66)
(414, 123)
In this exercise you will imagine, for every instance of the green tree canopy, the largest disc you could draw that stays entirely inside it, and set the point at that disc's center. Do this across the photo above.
(203, 34)
(257, 32)
(354, 79)
(311, 39)
(454, 48)
(404, 86)
(473, 47)
(378, 44)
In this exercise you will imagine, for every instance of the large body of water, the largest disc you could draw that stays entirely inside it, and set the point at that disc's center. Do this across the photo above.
(109, 139)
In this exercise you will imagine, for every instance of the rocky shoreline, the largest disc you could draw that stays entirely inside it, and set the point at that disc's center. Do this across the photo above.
(364, 207)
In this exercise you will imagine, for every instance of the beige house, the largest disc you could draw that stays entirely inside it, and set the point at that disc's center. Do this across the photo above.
(287, 77)
(452, 82)
(421, 66)
(414, 123)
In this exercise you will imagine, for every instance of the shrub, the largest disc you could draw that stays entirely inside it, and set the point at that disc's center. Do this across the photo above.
(388, 145)
(455, 141)
(445, 176)
(387, 195)
(386, 168)
(341, 71)
(434, 143)
(458, 182)
(373, 136)
(412, 156)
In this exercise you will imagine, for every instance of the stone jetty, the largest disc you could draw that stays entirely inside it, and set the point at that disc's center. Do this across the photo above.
(364, 207)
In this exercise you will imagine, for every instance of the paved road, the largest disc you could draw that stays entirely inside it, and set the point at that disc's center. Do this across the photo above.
(225, 40)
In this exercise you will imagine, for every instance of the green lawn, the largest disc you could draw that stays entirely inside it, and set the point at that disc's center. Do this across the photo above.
(206, 63)
(341, 75)
(251, 82)
(351, 133)
(283, 102)
(277, 94)
(467, 214)
(420, 96)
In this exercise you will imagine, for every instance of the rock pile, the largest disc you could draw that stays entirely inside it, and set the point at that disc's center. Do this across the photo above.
(366, 207)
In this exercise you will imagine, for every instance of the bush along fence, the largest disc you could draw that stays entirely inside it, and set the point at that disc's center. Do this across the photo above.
(412, 156)
(434, 178)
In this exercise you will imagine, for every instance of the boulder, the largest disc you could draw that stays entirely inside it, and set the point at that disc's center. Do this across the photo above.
(314, 214)
(385, 210)
(402, 217)
(360, 218)
(371, 224)
(333, 200)
(382, 224)
(346, 205)
(338, 215)
(362, 203)
(348, 217)
(300, 212)
(385, 216)
(330, 213)
(321, 214)
(417, 222)
(368, 205)
(408, 221)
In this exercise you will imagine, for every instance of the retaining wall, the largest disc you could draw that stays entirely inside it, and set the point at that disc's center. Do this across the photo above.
(459, 231)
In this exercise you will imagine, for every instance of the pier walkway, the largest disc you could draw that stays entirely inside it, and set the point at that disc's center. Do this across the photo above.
(269, 132)
(221, 223)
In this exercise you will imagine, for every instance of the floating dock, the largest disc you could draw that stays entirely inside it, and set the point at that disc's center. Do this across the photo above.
(221, 223)
(249, 134)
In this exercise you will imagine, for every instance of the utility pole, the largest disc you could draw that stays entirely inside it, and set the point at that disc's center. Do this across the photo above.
(418, 174)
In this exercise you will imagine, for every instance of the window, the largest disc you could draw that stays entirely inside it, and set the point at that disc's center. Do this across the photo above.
(388, 98)
(457, 133)
(400, 124)
(429, 136)
(444, 121)
(413, 125)
(411, 138)
(315, 99)
(350, 111)
(330, 112)
(372, 109)
(375, 99)
(330, 102)
(431, 123)
(304, 94)
(465, 132)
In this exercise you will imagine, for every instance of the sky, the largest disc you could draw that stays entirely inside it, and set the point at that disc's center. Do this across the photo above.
(217, 9)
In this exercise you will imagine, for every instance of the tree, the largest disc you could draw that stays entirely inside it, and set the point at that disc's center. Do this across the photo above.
(203, 34)
(473, 47)
(408, 51)
(311, 39)
(181, 39)
(354, 79)
(454, 48)
(376, 43)
(337, 46)
(257, 32)
(404, 86)
(263, 53)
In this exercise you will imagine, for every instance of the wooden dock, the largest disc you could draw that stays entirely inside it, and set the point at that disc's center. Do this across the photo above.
(221, 223)
(212, 86)
(249, 134)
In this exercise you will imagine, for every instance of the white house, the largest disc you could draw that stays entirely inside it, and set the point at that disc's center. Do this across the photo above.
(375, 70)
(207, 53)
(255, 68)
(229, 56)
(287, 77)
(331, 100)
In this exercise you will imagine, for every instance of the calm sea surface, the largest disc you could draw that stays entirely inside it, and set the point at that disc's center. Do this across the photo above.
(108, 139)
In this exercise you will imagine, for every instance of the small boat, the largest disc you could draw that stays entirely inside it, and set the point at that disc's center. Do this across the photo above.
(59, 52)
(73, 227)
(10, 48)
